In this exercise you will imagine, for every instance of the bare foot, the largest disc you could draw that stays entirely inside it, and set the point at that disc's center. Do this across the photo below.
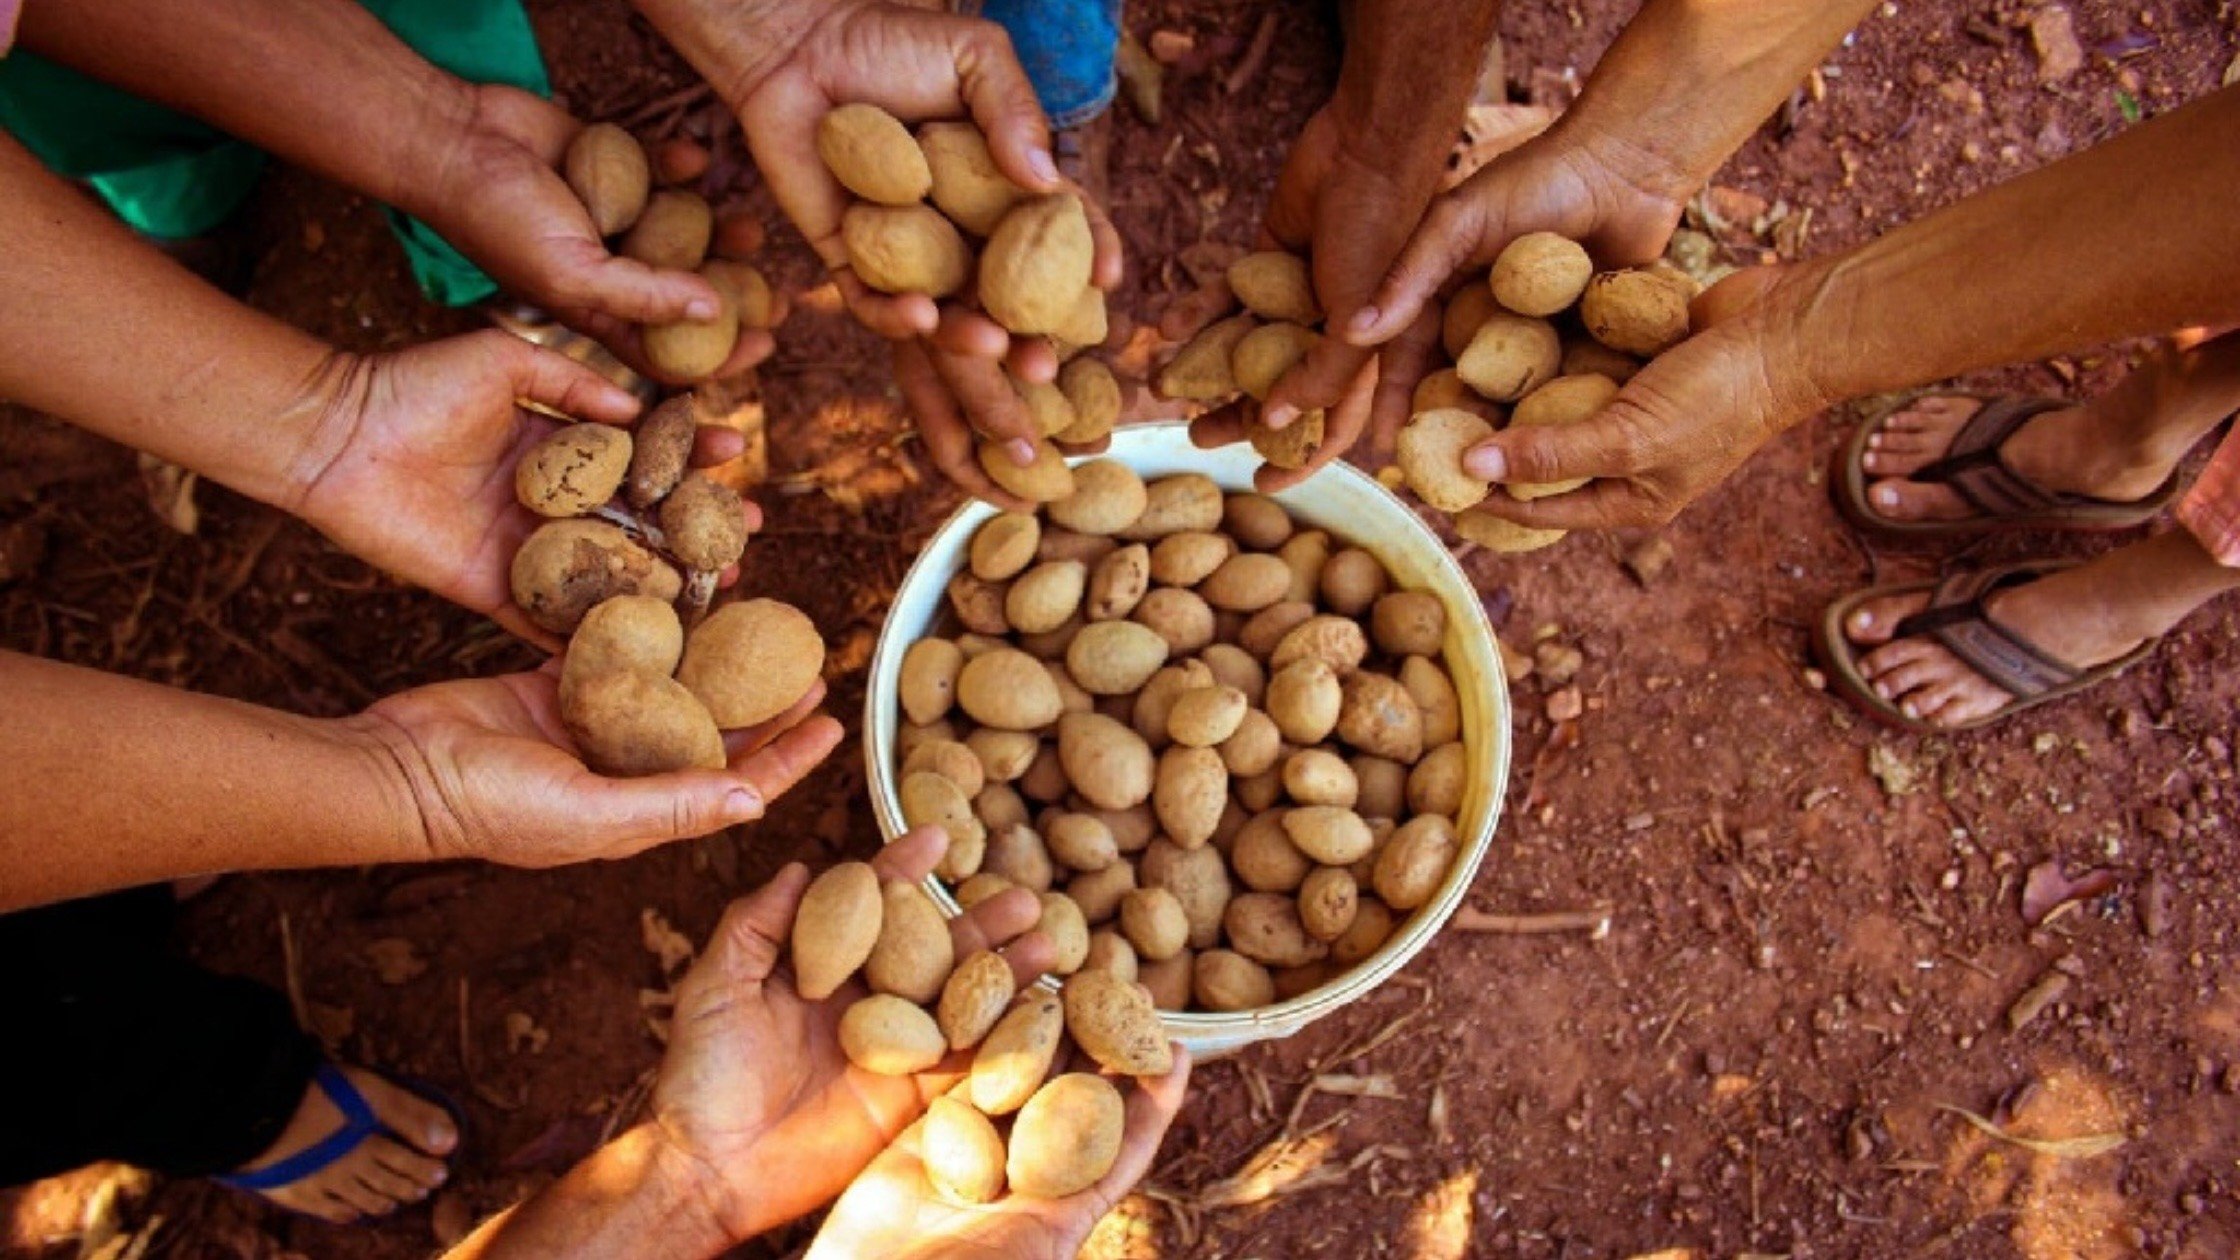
(2065, 614)
(382, 1174)
(2068, 450)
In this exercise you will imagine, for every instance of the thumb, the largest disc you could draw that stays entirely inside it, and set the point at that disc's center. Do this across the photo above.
(753, 931)
(1452, 236)
(1599, 446)
(633, 815)
(554, 380)
(1002, 102)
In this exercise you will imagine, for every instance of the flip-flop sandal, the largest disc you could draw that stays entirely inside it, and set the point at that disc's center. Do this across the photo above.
(1956, 618)
(358, 1123)
(1973, 468)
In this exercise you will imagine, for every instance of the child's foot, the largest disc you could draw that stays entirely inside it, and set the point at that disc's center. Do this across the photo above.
(2067, 450)
(378, 1175)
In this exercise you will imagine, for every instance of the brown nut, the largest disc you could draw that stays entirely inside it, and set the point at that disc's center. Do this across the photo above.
(751, 661)
(1046, 480)
(660, 451)
(572, 469)
(927, 686)
(1004, 546)
(1540, 273)
(1118, 583)
(672, 232)
(629, 632)
(705, 522)
(873, 155)
(629, 723)
(1409, 623)
(1263, 355)
(607, 170)
(1377, 715)
(905, 249)
(1635, 312)
(1510, 356)
(693, 349)
(1107, 497)
(1275, 285)
(1036, 264)
(1415, 861)
(1224, 980)
(1095, 394)
(974, 998)
(1265, 928)
(1114, 1023)
(1430, 454)
(568, 567)
(966, 183)
(1200, 371)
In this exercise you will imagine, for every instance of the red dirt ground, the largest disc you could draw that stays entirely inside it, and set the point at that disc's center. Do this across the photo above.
(1808, 964)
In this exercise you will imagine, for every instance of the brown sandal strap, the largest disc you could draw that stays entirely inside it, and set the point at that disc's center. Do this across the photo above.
(1977, 471)
(1956, 617)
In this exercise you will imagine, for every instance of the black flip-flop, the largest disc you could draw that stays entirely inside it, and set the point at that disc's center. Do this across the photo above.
(358, 1123)
(1957, 619)
(1972, 466)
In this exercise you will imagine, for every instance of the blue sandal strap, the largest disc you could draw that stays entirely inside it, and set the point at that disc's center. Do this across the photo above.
(358, 1124)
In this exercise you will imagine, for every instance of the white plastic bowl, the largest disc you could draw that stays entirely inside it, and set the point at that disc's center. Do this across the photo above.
(1354, 508)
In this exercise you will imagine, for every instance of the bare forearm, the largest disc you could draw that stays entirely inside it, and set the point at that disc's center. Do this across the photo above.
(1689, 80)
(107, 782)
(732, 43)
(626, 1199)
(104, 331)
(321, 83)
(2133, 238)
(1410, 67)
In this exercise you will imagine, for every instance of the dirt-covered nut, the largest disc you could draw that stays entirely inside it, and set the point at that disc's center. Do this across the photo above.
(1224, 980)
(1179, 616)
(1012, 1062)
(1003, 755)
(1263, 355)
(974, 998)
(952, 761)
(1045, 596)
(1261, 791)
(1095, 394)
(978, 605)
(1433, 692)
(1469, 309)
(1335, 641)
(1352, 580)
(1114, 658)
(1108, 764)
(979, 887)
(572, 469)
(1503, 536)
(1017, 854)
(1154, 704)
(965, 181)
(660, 451)
(1304, 699)
(629, 632)
(1509, 356)
(962, 1152)
(607, 170)
(1153, 921)
(1110, 953)
(629, 723)
(1048, 408)
(1200, 371)
(1060, 543)
(1380, 786)
(1264, 857)
(1635, 312)
(1540, 273)
(1317, 776)
(1107, 497)
(1113, 1022)
(1068, 931)
(1118, 583)
(1415, 860)
(1204, 716)
(1254, 747)
(1198, 878)
(1430, 457)
(1082, 842)
(1306, 552)
(1185, 559)
(1585, 356)
(1188, 792)
(1293, 446)
(1371, 928)
(1098, 893)
(751, 661)
(1045, 780)
(889, 1036)
(1409, 623)
(913, 954)
(1265, 928)
(1004, 546)
(927, 686)
(705, 523)
(1246, 582)
(1172, 505)
(999, 804)
(1378, 716)
(759, 305)
(1232, 666)
(1036, 264)
(1438, 781)
(1046, 480)
(1328, 834)
(930, 799)
(1009, 690)
(568, 567)
(672, 232)
(1168, 982)
(1327, 902)
(913, 734)
(1257, 522)
(1067, 1137)
(692, 349)
(1564, 400)
(1275, 285)
(1086, 323)
(1264, 631)
(835, 928)
(905, 249)
(873, 155)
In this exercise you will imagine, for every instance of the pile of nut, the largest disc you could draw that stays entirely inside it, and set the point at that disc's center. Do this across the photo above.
(1195, 694)
(1514, 346)
(625, 516)
(1066, 1132)
(667, 228)
(1033, 272)
(1249, 353)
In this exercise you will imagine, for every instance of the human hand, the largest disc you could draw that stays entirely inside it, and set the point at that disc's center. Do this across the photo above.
(491, 773)
(411, 465)
(492, 188)
(1684, 422)
(892, 1211)
(754, 1091)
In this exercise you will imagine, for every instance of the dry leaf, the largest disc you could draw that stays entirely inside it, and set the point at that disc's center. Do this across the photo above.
(2084, 1147)
(170, 493)
(1897, 776)
(664, 941)
(2048, 888)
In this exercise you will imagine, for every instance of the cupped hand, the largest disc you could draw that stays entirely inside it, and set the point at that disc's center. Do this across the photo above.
(754, 1091)
(893, 1212)
(1679, 427)
(412, 469)
(492, 774)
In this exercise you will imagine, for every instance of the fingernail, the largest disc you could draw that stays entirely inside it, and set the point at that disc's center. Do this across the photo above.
(1909, 709)
(1022, 452)
(1887, 496)
(701, 308)
(1487, 462)
(742, 804)
(1883, 690)
(1862, 620)
(1279, 415)
(1363, 321)
(1044, 168)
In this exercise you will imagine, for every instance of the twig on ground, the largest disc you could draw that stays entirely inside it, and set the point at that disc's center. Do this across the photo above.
(1596, 923)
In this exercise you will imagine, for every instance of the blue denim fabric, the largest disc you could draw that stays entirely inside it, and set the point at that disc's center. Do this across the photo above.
(1066, 47)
